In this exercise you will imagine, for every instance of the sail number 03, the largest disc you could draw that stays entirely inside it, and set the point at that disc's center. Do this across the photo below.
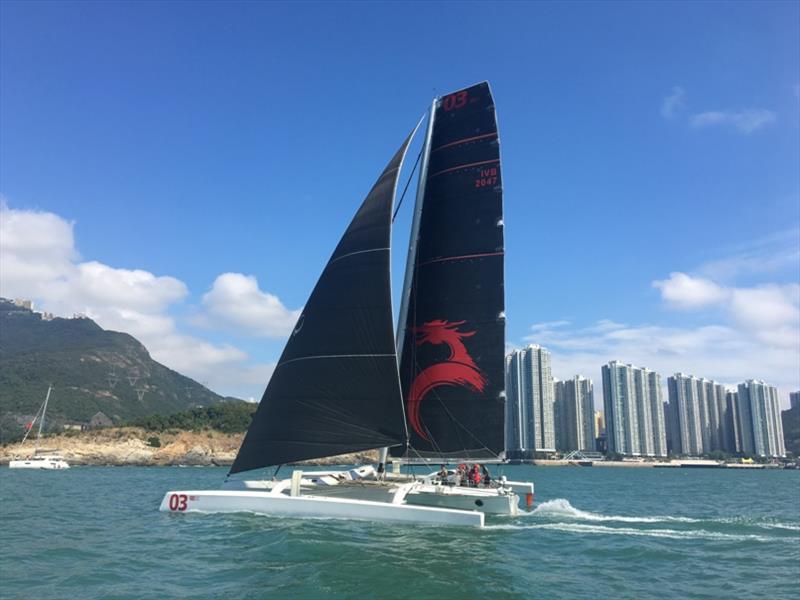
(178, 501)
(457, 100)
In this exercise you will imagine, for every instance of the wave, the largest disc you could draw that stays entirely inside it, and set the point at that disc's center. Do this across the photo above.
(675, 534)
(560, 508)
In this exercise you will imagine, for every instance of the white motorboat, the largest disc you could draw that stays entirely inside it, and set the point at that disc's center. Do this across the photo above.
(40, 459)
(344, 383)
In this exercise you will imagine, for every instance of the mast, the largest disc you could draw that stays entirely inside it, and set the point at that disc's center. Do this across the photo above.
(410, 261)
(41, 421)
(412, 245)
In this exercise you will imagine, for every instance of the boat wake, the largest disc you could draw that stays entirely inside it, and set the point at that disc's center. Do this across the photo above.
(560, 515)
(674, 534)
(561, 508)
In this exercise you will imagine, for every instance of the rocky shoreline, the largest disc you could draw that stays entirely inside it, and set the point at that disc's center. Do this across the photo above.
(131, 446)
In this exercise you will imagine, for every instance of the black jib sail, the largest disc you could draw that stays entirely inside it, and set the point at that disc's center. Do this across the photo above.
(452, 359)
(336, 386)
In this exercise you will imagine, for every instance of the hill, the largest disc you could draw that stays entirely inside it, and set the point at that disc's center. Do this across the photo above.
(92, 370)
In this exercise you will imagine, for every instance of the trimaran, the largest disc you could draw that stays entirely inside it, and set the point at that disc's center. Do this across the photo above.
(338, 386)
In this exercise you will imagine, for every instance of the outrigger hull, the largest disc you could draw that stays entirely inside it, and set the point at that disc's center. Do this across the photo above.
(485, 501)
(280, 505)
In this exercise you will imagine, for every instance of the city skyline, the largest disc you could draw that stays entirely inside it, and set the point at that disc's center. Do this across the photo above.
(560, 369)
(700, 417)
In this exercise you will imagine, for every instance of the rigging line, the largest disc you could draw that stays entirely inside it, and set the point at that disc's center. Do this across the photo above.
(443, 404)
(405, 189)
(458, 433)
(468, 431)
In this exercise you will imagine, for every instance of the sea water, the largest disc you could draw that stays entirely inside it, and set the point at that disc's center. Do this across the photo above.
(95, 532)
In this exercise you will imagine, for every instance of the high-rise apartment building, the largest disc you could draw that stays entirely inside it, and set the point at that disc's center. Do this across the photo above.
(634, 410)
(514, 407)
(698, 415)
(733, 437)
(685, 420)
(574, 414)
(760, 427)
(530, 425)
(794, 399)
(561, 417)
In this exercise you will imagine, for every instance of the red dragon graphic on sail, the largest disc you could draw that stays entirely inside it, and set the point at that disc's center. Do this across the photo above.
(458, 369)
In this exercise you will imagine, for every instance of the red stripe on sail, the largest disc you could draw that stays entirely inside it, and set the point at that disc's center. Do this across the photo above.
(475, 164)
(465, 140)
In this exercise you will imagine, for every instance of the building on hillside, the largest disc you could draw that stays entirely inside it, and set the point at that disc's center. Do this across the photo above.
(529, 402)
(634, 410)
(100, 420)
(23, 303)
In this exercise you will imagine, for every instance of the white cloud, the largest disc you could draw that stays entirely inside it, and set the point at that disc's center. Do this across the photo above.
(754, 330)
(673, 103)
(764, 256)
(718, 352)
(235, 302)
(686, 292)
(548, 325)
(771, 313)
(746, 121)
(35, 248)
(38, 260)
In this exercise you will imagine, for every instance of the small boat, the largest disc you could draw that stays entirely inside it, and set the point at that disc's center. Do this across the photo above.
(339, 386)
(41, 459)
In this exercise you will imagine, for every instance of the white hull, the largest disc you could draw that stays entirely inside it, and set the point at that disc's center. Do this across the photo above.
(504, 498)
(275, 503)
(359, 494)
(49, 464)
(487, 501)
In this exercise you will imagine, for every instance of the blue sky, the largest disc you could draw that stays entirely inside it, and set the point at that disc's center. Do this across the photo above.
(155, 158)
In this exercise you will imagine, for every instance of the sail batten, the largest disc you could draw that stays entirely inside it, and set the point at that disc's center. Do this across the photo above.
(336, 386)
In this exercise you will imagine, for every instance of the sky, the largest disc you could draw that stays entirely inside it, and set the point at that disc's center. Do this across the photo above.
(182, 171)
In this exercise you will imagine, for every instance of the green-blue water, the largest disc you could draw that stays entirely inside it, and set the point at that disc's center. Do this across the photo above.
(95, 532)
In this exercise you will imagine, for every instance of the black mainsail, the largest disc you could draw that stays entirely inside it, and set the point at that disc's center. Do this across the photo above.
(336, 387)
(453, 338)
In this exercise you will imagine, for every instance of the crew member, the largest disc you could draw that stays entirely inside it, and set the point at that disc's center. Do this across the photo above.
(475, 475)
